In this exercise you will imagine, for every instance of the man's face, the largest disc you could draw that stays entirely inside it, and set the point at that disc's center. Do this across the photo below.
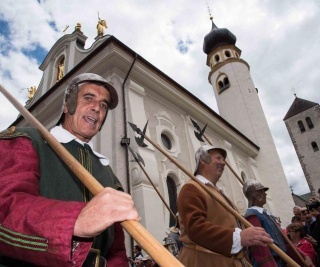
(305, 215)
(259, 197)
(314, 212)
(91, 110)
(296, 211)
(215, 167)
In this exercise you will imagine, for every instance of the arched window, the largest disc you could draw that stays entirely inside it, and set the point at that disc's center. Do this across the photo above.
(217, 58)
(227, 53)
(301, 126)
(315, 146)
(309, 122)
(226, 82)
(223, 83)
(172, 191)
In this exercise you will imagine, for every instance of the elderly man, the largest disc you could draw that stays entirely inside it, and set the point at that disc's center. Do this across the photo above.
(255, 192)
(47, 216)
(212, 236)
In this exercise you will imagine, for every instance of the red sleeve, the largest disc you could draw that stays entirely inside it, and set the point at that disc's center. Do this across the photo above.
(34, 228)
(261, 255)
(117, 255)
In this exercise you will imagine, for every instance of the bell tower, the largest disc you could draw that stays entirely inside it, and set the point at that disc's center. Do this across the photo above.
(238, 103)
(236, 95)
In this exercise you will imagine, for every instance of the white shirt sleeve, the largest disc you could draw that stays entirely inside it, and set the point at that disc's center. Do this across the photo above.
(236, 245)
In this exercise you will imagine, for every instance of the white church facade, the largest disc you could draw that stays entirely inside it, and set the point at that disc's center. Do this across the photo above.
(147, 94)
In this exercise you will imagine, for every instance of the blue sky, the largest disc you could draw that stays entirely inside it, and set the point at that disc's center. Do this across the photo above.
(278, 39)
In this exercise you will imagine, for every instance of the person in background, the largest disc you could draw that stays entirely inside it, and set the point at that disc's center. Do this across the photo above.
(311, 200)
(211, 235)
(296, 211)
(310, 227)
(138, 262)
(137, 252)
(147, 261)
(172, 241)
(297, 219)
(256, 194)
(47, 216)
(137, 256)
(296, 234)
(310, 215)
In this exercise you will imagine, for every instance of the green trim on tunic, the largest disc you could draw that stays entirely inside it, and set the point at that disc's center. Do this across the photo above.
(21, 240)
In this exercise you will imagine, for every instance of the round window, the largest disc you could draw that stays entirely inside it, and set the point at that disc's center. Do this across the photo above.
(166, 141)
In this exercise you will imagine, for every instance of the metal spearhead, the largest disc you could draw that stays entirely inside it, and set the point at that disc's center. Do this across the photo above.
(139, 139)
(136, 157)
(199, 132)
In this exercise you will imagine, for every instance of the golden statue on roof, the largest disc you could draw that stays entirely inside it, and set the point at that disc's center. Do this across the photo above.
(31, 91)
(101, 25)
(60, 70)
(78, 27)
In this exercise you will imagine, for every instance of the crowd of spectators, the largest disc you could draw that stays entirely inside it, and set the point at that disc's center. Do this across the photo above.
(304, 230)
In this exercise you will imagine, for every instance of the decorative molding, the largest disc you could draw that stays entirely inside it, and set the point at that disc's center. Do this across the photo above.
(164, 114)
(136, 176)
(165, 126)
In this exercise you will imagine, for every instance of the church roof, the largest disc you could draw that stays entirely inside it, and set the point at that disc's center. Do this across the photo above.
(218, 37)
(299, 105)
(112, 40)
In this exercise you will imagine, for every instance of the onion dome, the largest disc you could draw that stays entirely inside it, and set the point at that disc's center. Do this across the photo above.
(218, 37)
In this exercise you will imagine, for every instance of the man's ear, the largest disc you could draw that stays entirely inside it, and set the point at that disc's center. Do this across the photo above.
(65, 109)
(203, 162)
(205, 159)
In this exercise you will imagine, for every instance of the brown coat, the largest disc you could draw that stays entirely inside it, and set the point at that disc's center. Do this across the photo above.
(206, 224)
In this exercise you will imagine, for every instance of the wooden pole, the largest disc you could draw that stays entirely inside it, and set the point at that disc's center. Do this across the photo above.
(155, 188)
(285, 237)
(157, 251)
(284, 256)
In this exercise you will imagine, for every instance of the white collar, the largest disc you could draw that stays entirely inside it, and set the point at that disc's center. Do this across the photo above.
(260, 209)
(205, 181)
(64, 136)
